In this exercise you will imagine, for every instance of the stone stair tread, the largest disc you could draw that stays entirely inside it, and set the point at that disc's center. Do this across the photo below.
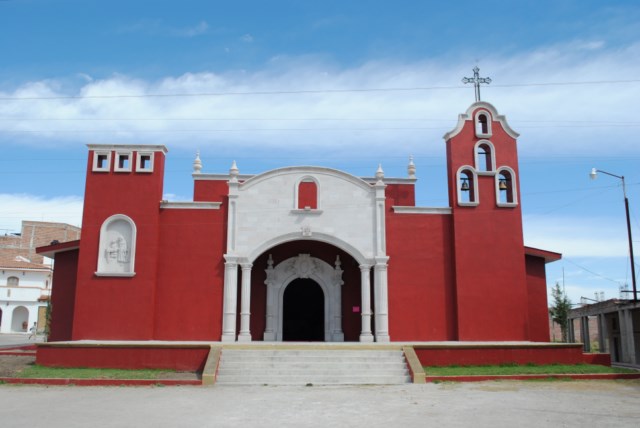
(320, 367)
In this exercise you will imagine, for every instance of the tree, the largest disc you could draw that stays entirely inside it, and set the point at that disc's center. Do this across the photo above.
(560, 310)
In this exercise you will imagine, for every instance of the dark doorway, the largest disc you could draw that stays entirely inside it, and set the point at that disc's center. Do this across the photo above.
(303, 311)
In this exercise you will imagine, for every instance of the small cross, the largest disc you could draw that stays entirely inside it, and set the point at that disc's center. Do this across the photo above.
(476, 80)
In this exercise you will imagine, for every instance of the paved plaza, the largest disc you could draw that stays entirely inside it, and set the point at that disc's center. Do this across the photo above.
(495, 404)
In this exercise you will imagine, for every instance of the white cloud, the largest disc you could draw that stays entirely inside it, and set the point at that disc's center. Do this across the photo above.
(552, 119)
(17, 207)
(576, 236)
(247, 38)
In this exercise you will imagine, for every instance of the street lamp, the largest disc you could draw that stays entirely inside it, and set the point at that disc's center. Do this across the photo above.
(594, 175)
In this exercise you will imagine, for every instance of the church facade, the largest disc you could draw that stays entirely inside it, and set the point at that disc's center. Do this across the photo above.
(304, 253)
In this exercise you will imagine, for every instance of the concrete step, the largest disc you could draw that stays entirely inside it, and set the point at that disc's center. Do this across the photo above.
(313, 366)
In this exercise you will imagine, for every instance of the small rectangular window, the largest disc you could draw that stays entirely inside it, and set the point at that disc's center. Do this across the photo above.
(144, 162)
(101, 161)
(123, 162)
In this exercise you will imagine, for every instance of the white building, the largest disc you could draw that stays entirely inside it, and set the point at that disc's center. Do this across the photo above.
(25, 276)
(25, 288)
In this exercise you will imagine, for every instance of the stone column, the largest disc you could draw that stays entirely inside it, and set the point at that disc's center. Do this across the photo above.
(584, 334)
(380, 300)
(365, 304)
(602, 333)
(245, 304)
(627, 341)
(230, 300)
(337, 335)
(270, 327)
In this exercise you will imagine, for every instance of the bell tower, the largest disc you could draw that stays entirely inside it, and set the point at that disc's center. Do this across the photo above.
(490, 275)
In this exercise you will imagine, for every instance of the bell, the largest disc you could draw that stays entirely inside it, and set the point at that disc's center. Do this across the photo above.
(503, 185)
(465, 186)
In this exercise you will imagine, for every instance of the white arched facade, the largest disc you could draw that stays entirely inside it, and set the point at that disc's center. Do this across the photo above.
(262, 214)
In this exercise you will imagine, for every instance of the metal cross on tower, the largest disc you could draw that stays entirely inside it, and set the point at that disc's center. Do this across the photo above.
(476, 80)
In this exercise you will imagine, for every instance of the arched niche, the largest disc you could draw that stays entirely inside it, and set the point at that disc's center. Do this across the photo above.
(116, 256)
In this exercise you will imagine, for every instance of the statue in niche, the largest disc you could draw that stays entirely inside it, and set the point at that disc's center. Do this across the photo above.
(117, 251)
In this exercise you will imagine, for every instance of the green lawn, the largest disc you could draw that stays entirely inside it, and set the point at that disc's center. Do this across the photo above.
(36, 371)
(514, 369)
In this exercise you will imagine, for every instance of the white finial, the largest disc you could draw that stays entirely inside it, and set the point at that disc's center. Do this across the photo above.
(380, 173)
(338, 263)
(233, 171)
(197, 163)
(411, 169)
(270, 262)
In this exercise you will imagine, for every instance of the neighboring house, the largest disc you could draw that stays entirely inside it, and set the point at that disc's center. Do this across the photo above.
(26, 277)
(615, 325)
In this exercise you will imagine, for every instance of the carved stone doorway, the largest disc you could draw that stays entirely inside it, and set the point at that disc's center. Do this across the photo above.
(303, 311)
(321, 274)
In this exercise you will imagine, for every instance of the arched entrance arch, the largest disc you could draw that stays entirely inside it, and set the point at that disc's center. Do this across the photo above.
(304, 266)
(20, 319)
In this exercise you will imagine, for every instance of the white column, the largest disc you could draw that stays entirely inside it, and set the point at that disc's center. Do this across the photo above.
(245, 309)
(380, 300)
(5, 323)
(230, 301)
(365, 304)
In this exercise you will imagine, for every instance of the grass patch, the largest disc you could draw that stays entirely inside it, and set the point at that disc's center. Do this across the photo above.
(515, 369)
(37, 371)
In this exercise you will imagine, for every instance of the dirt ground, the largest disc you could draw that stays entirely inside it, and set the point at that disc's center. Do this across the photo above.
(10, 365)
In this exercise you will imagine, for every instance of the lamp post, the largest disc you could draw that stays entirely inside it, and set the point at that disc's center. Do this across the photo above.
(594, 175)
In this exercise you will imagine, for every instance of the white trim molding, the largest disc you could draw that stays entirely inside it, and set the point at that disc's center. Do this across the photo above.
(144, 161)
(101, 161)
(473, 184)
(492, 156)
(478, 125)
(190, 205)
(123, 157)
(421, 210)
(513, 184)
(462, 118)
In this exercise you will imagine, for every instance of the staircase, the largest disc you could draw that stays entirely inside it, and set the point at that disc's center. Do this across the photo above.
(312, 366)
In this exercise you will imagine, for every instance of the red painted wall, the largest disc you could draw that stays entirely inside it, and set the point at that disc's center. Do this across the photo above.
(184, 357)
(537, 299)
(490, 355)
(421, 286)
(401, 194)
(491, 289)
(111, 307)
(63, 295)
(210, 190)
(190, 274)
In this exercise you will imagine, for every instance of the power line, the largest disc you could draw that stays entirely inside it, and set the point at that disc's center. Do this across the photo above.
(313, 91)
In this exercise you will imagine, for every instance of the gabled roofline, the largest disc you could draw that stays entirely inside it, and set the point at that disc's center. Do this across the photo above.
(469, 116)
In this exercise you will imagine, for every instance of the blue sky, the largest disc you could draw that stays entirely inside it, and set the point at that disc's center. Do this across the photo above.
(565, 73)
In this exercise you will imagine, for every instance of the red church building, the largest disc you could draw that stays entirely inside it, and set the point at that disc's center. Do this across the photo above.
(304, 253)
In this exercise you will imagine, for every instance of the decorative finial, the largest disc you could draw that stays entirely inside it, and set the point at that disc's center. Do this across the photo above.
(270, 262)
(476, 80)
(197, 163)
(380, 173)
(411, 169)
(233, 171)
(338, 263)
